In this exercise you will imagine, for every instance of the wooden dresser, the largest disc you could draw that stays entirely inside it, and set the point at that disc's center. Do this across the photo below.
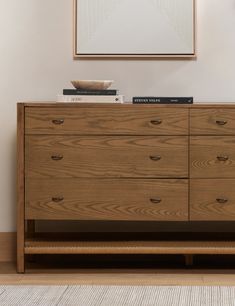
(124, 162)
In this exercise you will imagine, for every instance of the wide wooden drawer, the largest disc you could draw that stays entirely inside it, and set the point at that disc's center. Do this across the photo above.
(212, 199)
(212, 121)
(106, 156)
(118, 119)
(212, 157)
(117, 199)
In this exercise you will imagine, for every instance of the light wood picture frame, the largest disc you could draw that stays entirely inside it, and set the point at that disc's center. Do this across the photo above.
(148, 29)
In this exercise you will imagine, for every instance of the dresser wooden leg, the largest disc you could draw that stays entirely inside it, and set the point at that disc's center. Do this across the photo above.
(20, 265)
(20, 253)
(20, 245)
(188, 260)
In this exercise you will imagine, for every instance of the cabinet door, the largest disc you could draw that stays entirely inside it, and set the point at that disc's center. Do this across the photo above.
(212, 157)
(212, 199)
(217, 121)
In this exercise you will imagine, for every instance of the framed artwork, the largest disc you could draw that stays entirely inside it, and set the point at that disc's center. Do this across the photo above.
(134, 28)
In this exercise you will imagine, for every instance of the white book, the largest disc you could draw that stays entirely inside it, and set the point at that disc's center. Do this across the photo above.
(90, 99)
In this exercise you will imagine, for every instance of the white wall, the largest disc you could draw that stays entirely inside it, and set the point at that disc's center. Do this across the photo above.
(36, 64)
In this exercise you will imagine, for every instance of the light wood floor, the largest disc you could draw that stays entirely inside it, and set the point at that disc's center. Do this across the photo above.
(8, 276)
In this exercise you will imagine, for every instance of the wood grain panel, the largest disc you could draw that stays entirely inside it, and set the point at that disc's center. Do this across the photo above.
(101, 120)
(107, 199)
(206, 153)
(107, 156)
(213, 121)
(212, 199)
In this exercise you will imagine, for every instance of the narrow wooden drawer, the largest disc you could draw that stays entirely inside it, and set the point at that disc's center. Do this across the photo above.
(118, 119)
(212, 200)
(212, 157)
(106, 156)
(212, 121)
(92, 199)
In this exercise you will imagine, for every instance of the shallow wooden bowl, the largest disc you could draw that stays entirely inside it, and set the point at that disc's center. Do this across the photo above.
(92, 84)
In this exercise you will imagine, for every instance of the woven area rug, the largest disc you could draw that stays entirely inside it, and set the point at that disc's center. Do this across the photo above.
(116, 295)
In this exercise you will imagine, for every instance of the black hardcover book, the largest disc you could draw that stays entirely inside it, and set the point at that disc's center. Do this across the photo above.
(83, 92)
(162, 100)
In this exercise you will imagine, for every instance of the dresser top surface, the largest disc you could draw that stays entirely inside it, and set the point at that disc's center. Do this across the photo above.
(128, 105)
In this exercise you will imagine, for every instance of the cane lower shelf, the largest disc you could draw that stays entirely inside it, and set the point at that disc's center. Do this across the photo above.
(38, 246)
(124, 163)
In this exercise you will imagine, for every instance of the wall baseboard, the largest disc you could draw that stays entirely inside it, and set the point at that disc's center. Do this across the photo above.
(8, 246)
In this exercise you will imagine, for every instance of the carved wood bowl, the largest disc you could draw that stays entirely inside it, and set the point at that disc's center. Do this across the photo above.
(92, 84)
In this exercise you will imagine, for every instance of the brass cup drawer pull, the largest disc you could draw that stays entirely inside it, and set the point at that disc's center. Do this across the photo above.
(57, 199)
(221, 122)
(156, 200)
(222, 200)
(58, 121)
(155, 158)
(222, 157)
(156, 121)
(57, 157)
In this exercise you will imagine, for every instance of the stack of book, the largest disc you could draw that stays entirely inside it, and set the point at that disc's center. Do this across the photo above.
(90, 96)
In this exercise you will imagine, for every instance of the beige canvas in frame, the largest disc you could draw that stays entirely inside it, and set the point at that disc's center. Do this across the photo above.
(134, 28)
